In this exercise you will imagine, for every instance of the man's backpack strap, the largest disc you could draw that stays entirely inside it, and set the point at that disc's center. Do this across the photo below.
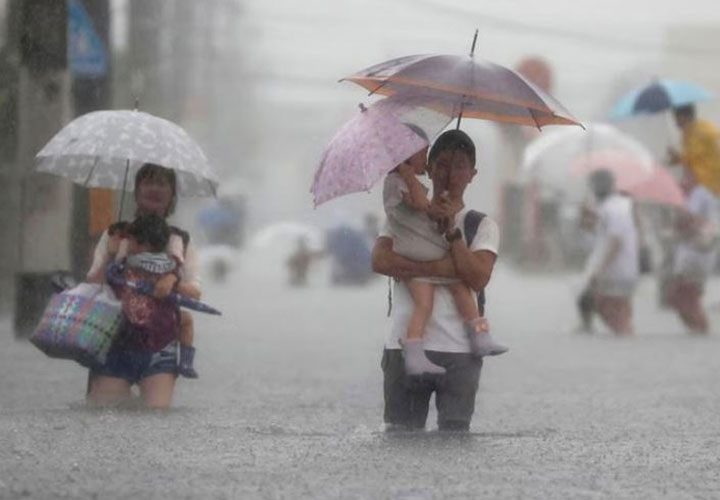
(470, 226)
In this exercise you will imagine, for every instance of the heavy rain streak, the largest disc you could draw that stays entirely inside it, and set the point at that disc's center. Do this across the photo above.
(400, 249)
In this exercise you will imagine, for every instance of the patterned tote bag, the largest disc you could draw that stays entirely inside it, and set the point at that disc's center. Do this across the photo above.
(79, 324)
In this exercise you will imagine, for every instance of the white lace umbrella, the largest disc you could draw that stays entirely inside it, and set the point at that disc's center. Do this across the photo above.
(106, 148)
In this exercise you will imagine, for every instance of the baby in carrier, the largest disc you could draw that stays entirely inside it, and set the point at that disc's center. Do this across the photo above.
(150, 322)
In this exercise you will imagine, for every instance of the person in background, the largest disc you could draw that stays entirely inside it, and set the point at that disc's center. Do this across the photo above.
(612, 268)
(701, 148)
(299, 262)
(695, 253)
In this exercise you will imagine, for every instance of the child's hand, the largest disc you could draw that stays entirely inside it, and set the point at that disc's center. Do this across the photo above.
(188, 290)
(164, 286)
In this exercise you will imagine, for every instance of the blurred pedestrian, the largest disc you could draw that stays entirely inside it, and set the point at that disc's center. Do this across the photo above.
(299, 262)
(612, 268)
(695, 253)
(701, 148)
(446, 342)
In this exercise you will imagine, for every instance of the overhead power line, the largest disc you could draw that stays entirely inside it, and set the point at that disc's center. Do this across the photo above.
(587, 38)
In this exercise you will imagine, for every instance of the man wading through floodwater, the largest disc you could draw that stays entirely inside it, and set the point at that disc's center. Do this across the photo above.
(446, 341)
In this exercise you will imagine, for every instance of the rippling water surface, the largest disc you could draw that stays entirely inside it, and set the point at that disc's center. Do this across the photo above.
(289, 405)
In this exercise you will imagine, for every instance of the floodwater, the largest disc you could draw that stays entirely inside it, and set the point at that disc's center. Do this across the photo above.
(289, 405)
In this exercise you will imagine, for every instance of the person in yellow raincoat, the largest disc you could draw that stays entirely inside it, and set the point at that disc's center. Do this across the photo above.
(701, 148)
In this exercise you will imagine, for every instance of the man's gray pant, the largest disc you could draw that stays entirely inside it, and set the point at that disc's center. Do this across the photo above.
(407, 399)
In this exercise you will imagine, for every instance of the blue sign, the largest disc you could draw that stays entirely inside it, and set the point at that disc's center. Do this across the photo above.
(87, 54)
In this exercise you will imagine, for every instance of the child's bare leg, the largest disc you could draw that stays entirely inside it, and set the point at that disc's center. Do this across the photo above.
(187, 328)
(476, 326)
(416, 362)
(187, 351)
(465, 301)
(421, 293)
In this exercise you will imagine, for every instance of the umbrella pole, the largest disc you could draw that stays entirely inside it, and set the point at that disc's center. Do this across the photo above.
(472, 54)
(122, 197)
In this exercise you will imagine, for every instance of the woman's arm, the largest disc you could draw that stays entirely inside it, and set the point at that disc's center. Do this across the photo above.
(101, 258)
(190, 273)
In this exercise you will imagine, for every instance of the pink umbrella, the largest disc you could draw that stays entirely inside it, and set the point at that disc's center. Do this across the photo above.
(661, 187)
(627, 169)
(372, 144)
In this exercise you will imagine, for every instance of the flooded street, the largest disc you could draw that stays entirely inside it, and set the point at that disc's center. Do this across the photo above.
(289, 405)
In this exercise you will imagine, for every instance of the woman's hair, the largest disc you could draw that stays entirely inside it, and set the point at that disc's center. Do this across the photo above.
(453, 140)
(150, 229)
(153, 171)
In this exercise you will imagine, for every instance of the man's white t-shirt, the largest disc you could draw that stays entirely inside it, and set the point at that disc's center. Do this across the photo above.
(615, 220)
(444, 331)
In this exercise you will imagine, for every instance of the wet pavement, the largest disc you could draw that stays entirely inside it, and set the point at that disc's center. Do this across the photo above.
(289, 405)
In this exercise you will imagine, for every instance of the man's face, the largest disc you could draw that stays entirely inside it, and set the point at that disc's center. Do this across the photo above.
(452, 171)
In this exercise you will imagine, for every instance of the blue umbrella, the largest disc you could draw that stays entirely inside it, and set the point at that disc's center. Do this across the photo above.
(658, 96)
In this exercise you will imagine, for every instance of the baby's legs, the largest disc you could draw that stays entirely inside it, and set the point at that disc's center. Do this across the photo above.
(465, 301)
(187, 328)
(422, 296)
(476, 326)
(416, 363)
(187, 351)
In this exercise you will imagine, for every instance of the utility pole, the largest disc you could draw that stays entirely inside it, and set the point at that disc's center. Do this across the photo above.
(42, 204)
(9, 194)
(90, 70)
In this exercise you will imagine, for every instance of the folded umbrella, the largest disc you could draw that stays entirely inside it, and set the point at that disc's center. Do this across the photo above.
(114, 277)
